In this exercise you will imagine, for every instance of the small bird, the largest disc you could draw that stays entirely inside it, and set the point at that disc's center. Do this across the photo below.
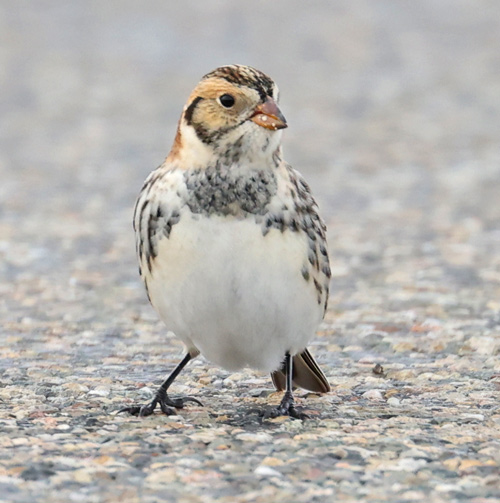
(230, 244)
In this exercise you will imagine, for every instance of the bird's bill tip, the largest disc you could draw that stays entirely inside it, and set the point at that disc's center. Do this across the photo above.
(269, 116)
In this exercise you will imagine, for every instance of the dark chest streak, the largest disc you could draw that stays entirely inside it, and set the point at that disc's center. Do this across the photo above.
(218, 191)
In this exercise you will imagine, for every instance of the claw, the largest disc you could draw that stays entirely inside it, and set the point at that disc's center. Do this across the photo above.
(179, 403)
(133, 411)
(168, 411)
(192, 399)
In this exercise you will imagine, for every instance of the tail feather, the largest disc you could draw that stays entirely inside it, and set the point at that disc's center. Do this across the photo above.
(306, 374)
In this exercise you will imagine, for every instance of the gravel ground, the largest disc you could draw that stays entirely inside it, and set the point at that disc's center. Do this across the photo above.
(394, 113)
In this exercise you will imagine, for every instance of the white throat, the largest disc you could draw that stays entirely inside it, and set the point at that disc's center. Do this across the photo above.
(248, 144)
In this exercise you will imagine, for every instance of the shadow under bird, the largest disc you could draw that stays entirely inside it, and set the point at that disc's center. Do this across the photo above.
(231, 246)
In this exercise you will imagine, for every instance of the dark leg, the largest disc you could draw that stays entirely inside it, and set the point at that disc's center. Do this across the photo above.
(287, 405)
(166, 403)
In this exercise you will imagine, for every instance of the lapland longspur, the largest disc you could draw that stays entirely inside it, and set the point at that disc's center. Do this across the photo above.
(231, 247)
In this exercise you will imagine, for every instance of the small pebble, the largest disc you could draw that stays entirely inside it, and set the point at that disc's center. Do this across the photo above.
(373, 394)
(266, 471)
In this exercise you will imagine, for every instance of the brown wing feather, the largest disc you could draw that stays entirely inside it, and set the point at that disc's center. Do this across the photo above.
(306, 374)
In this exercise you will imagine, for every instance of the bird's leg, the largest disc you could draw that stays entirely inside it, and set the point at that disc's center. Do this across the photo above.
(166, 403)
(287, 405)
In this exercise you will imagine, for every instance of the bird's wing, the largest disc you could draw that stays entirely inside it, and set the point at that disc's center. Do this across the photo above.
(156, 211)
(311, 223)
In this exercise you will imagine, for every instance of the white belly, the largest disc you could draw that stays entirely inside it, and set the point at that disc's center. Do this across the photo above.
(234, 294)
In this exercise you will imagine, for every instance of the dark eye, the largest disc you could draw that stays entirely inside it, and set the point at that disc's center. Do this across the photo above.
(226, 100)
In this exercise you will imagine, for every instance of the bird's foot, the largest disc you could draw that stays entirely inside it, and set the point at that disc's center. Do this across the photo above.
(285, 408)
(167, 405)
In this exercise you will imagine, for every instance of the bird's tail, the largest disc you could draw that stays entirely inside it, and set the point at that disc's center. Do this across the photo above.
(306, 374)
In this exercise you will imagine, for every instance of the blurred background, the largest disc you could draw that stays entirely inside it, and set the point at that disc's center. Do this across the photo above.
(394, 119)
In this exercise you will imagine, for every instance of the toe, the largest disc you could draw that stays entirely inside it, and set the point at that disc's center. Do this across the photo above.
(133, 411)
(147, 410)
(297, 414)
(283, 411)
(169, 411)
(179, 403)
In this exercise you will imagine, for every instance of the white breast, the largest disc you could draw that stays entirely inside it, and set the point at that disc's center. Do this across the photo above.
(236, 295)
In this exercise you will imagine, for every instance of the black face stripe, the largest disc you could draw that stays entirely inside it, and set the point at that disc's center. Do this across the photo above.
(188, 114)
(245, 76)
(210, 137)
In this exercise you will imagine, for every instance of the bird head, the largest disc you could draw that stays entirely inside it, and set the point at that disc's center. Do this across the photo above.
(231, 114)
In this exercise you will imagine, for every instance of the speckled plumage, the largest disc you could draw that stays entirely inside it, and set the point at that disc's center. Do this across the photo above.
(230, 243)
